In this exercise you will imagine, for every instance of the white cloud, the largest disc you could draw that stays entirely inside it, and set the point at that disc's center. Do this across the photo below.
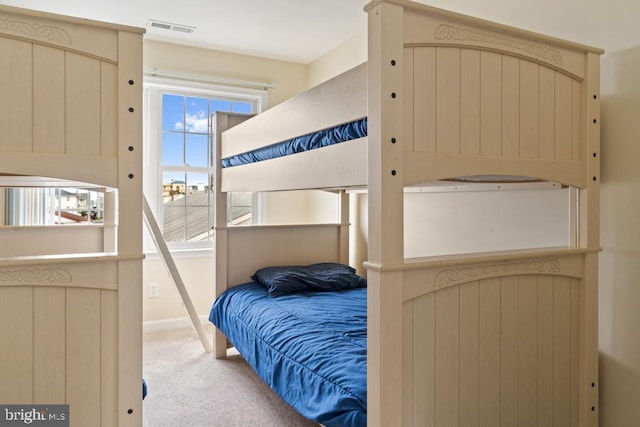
(179, 126)
(197, 122)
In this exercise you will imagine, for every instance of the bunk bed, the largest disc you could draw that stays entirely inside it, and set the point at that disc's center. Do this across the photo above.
(70, 295)
(482, 338)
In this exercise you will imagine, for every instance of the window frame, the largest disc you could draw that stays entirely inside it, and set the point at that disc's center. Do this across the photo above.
(154, 88)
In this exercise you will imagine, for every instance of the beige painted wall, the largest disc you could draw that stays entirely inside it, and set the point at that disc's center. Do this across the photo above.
(619, 331)
(351, 53)
(288, 78)
(167, 308)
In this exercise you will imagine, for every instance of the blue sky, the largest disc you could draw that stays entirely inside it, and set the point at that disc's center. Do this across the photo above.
(184, 137)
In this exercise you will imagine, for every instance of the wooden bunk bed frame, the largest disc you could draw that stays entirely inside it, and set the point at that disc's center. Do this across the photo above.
(70, 296)
(492, 339)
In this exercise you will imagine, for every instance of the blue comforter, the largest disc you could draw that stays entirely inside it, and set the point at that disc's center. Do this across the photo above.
(309, 347)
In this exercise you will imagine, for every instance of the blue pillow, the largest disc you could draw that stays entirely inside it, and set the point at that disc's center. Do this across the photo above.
(326, 276)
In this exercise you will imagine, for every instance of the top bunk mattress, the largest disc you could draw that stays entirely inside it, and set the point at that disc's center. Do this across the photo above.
(326, 137)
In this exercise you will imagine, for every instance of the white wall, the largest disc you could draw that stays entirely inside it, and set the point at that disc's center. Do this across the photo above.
(619, 332)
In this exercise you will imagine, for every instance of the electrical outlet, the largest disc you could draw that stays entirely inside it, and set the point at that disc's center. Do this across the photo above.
(154, 290)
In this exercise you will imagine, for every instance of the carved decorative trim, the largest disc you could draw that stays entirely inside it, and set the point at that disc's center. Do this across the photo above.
(51, 275)
(33, 29)
(468, 274)
(449, 32)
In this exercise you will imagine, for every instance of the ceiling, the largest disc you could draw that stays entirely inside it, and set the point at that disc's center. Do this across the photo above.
(303, 30)
(291, 30)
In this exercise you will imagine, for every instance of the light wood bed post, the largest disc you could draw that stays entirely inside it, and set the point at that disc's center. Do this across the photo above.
(385, 178)
(130, 228)
(343, 239)
(589, 237)
(221, 122)
(220, 237)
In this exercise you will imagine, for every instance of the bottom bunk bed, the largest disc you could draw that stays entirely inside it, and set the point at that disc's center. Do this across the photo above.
(304, 331)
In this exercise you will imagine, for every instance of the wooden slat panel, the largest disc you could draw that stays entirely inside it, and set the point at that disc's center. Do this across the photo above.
(489, 352)
(547, 114)
(561, 352)
(407, 360)
(84, 356)
(509, 351)
(545, 351)
(490, 103)
(576, 120)
(424, 99)
(470, 102)
(575, 351)
(408, 99)
(510, 106)
(424, 361)
(108, 109)
(49, 367)
(109, 371)
(82, 104)
(448, 100)
(527, 351)
(129, 343)
(48, 100)
(16, 351)
(564, 103)
(469, 375)
(529, 110)
(16, 95)
(447, 351)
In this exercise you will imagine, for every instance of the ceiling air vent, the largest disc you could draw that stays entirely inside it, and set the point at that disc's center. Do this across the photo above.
(170, 27)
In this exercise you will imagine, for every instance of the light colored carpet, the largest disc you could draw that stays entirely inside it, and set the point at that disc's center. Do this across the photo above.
(190, 388)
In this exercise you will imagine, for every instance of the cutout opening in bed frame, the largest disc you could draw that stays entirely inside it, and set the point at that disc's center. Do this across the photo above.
(297, 207)
(41, 216)
(458, 217)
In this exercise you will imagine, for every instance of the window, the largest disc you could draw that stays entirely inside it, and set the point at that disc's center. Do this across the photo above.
(179, 171)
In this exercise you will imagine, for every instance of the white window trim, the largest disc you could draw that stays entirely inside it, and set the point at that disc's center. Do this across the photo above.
(153, 88)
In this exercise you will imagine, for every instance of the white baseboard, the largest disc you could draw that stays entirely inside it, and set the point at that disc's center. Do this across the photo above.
(176, 323)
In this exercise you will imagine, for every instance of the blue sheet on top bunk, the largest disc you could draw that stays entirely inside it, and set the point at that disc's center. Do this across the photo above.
(323, 138)
(309, 347)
